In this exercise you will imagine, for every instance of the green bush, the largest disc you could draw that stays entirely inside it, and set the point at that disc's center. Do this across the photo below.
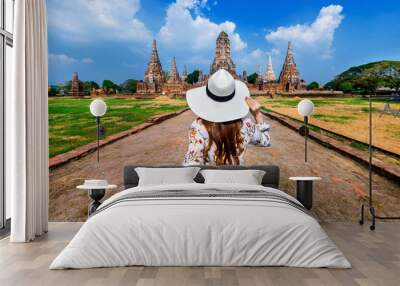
(313, 85)
(252, 78)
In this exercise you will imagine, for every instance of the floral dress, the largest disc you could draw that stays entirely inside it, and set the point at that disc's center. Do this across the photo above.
(252, 133)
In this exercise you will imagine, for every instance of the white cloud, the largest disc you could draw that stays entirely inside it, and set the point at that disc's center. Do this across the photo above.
(87, 61)
(62, 59)
(95, 20)
(256, 55)
(250, 61)
(273, 52)
(198, 59)
(182, 29)
(319, 34)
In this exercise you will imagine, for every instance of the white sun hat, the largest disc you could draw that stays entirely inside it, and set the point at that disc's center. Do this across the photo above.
(221, 100)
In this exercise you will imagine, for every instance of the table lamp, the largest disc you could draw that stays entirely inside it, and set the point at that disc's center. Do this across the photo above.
(305, 108)
(98, 108)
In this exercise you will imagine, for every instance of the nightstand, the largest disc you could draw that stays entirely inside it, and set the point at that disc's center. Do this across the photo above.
(304, 190)
(96, 193)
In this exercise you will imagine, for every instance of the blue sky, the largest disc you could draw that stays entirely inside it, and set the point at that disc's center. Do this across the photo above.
(111, 39)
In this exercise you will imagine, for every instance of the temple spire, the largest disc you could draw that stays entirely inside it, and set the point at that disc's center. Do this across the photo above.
(154, 71)
(173, 76)
(259, 79)
(201, 76)
(154, 58)
(222, 59)
(289, 55)
(184, 74)
(244, 76)
(289, 76)
(76, 86)
(270, 75)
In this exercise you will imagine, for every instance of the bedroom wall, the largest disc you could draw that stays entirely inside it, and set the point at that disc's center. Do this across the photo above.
(107, 57)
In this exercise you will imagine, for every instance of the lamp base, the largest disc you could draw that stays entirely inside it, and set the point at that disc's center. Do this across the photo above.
(304, 193)
(96, 195)
(374, 216)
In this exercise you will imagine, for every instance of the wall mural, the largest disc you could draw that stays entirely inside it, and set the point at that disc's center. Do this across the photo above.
(256, 108)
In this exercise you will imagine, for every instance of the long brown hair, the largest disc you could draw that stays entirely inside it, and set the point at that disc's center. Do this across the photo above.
(228, 141)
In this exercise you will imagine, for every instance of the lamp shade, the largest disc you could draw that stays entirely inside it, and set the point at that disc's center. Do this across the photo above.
(305, 107)
(98, 107)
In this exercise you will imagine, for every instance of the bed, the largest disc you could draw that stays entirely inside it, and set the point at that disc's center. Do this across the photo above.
(198, 224)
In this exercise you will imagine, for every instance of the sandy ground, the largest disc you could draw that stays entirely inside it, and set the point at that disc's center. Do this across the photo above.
(336, 198)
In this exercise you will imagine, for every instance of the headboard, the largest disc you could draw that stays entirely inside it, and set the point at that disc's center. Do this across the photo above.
(270, 179)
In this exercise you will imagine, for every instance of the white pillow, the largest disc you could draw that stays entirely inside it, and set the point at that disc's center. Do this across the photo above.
(166, 176)
(248, 177)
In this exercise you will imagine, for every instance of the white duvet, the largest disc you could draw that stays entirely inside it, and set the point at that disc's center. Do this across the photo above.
(200, 231)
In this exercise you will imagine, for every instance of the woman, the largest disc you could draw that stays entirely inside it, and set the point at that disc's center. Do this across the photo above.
(223, 130)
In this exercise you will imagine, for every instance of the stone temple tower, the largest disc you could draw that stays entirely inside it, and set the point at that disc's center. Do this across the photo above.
(154, 71)
(289, 77)
(184, 74)
(259, 79)
(76, 86)
(270, 75)
(244, 76)
(201, 76)
(173, 75)
(222, 59)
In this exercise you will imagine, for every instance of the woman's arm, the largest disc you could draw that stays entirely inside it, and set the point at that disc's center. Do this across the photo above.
(259, 132)
(195, 153)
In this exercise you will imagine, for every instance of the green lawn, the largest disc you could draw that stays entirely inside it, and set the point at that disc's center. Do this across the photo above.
(71, 125)
(343, 119)
(347, 116)
(292, 102)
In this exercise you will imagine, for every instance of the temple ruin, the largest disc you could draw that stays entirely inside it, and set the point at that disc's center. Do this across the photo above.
(156, 83)
(76, 86)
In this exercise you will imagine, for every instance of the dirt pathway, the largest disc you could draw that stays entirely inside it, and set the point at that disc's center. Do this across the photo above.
(336, 198)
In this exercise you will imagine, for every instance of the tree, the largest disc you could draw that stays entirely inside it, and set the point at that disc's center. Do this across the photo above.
(63, 88)
(193, 77)
(66, 86)
(53, 90)
(346, 87)
(313, 85)
(367, 85)
(330, 85)
(89, 85)
(109, 86)
(252, 78)
(394, 82)
(129, 86)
